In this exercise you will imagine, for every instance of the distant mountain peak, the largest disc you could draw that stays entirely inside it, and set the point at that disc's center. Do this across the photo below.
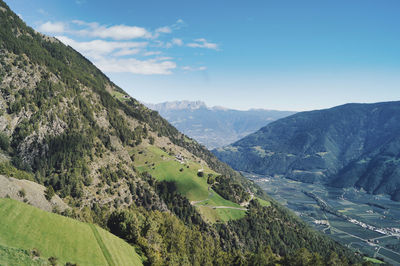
(177, 105)
(214, 126)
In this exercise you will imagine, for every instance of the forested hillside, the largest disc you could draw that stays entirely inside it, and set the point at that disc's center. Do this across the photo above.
(121, 166)
(353, 145)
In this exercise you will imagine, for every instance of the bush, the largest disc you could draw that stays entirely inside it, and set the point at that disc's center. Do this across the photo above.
(35, 252)
(9, 170)
(22, 193)
(200, 174)
(4, 141)
(53, 261)
(49, 193)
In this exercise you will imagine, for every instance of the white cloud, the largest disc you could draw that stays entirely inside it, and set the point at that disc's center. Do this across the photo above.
(99, 48)
(42, 12)
(125, 52)
(189, 68)
(165, 29)
(178, 24)
(118, 32)
(203, 43)
(173, 42)
(114, 49)
(106, 56)
(53, 27)
(84, 23)
(152, 53)
(177, 41)
(163, 58)
(94, 29)
(132, 65)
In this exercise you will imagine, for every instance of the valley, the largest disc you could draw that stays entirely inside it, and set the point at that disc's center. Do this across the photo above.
(215, 126)
(363, 222)
(111, 182)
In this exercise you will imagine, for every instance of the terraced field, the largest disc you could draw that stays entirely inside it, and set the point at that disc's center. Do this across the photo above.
(25, 227)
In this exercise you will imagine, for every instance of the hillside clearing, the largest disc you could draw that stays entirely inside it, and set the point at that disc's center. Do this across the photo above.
(26, 227)
(166, 167)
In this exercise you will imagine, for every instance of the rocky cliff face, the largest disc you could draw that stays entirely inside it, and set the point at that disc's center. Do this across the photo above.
(350, 145)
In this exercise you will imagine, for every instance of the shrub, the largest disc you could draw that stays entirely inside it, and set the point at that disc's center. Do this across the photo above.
(35, 252)
(49, 193)
(53, 261)
(4, 141)
(22, 193)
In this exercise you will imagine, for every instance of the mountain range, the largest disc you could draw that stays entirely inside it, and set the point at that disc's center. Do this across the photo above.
(353, 145)
(119, 165)
(215, 126)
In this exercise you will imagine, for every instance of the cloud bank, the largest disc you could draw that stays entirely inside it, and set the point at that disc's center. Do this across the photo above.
(126, 48)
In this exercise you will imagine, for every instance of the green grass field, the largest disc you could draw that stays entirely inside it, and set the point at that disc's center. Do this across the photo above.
(375, 261)
(26, 227)
(20, 257)
(120, 96)
(188, 183)
(263, 202)
(220, 215)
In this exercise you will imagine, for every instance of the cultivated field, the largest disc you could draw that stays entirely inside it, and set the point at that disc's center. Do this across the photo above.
(374, 210)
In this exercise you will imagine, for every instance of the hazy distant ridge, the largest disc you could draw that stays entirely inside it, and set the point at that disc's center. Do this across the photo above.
(215, 126)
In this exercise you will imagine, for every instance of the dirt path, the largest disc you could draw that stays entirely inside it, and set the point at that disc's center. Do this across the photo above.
(103, 247)
(246, 203)
(227, 207)
(198, 201)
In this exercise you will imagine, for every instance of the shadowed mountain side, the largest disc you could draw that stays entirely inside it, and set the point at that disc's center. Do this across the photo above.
(350, 145)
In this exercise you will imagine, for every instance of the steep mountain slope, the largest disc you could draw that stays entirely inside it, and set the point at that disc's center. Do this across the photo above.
(120, 165)
(30, 192)
(24, 226)
(350, 145)
(215, 126)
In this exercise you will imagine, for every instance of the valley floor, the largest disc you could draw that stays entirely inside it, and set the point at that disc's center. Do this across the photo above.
(367, 223)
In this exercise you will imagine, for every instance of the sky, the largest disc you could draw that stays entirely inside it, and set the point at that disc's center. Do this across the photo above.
(272, 54)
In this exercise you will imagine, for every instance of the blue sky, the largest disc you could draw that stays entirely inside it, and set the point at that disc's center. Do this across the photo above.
(281, 54)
